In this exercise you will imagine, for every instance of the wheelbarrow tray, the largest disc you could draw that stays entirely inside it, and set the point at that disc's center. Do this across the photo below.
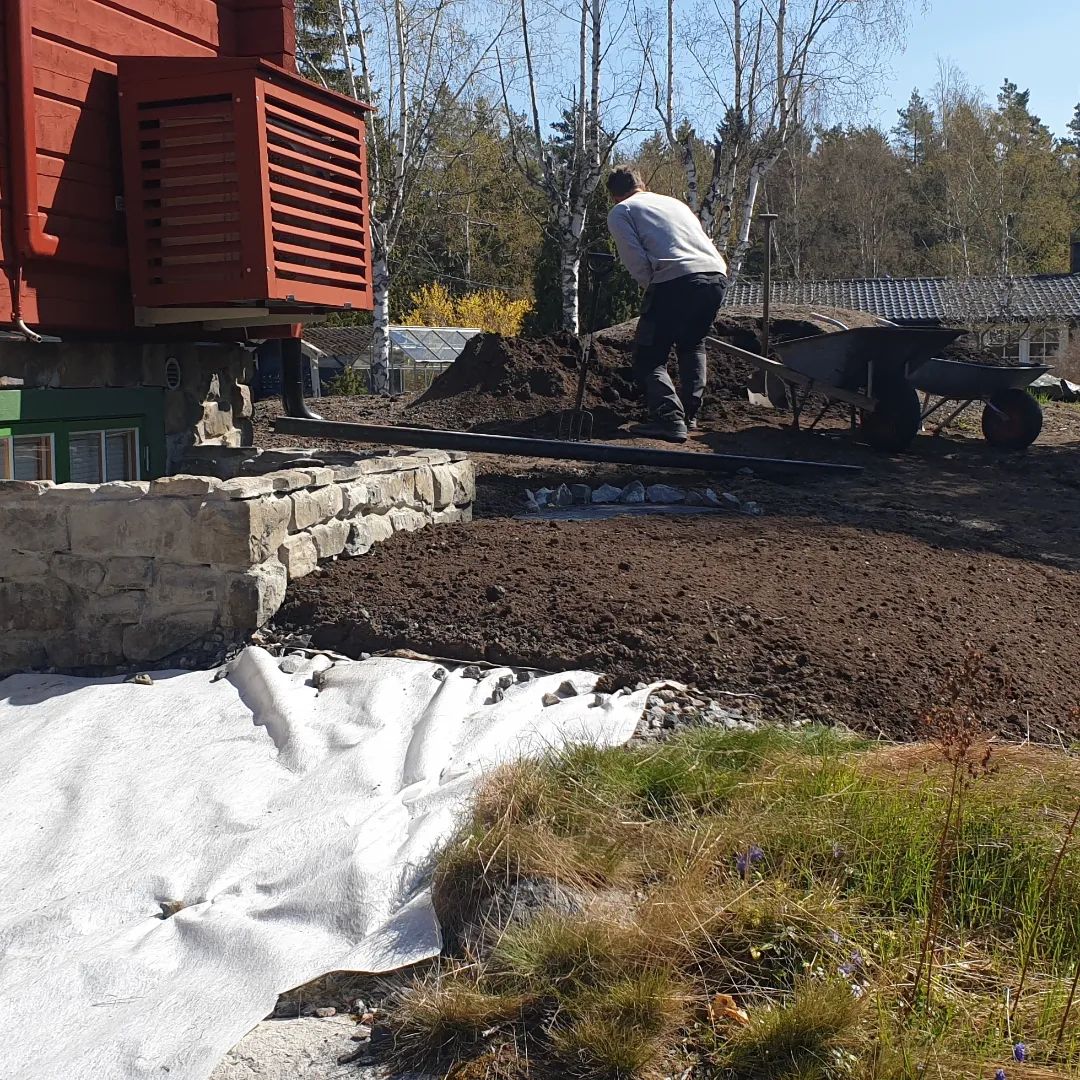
(964, 381)
(841, 359)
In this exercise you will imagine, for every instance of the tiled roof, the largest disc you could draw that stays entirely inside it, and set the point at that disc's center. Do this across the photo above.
(1044, 298)
(349, 341)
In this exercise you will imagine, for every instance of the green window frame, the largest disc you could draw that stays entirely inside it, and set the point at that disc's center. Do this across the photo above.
(60, 414)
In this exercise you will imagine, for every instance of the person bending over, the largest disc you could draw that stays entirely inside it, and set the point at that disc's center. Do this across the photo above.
(661, 242)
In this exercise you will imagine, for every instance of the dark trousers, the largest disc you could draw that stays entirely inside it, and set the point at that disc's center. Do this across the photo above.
(679, 313)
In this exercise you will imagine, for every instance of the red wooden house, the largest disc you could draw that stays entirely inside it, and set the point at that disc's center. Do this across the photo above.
(166, 177)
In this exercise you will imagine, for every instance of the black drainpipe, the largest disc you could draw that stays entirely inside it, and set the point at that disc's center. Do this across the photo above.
(292, 380)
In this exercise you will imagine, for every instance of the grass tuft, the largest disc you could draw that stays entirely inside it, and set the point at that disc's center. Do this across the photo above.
(605, 900)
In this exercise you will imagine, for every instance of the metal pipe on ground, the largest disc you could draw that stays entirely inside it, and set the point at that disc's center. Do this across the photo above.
(556, 449)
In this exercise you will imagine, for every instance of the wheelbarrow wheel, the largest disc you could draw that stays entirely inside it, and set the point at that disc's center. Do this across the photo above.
(895, 422)
(1012, 419)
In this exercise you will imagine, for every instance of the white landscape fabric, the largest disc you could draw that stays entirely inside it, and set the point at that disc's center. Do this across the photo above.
(293, 823)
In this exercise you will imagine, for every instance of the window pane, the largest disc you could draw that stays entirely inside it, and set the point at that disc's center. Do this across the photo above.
(32, 457)
(120, 455)
(85, 457)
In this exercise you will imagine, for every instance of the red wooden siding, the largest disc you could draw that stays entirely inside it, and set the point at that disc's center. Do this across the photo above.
(74, 48)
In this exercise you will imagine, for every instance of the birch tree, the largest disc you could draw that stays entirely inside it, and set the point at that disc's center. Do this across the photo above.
(414, 61)
(565, 170)
(756, 68)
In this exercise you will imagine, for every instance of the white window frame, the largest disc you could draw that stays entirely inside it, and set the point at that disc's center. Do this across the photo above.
(101, 434)
(8, 457)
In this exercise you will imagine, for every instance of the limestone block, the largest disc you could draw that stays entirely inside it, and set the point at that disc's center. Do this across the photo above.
(464, 482)
(184, 485)
(321, 475)
(330, 537)
(299, 555)
(71, 492)
(376, 494)
(344, 473)
(216, 421)
(253, 598)
(403, 461)
(39, 526)
(288, 480)
(123, 489)
(158, 634)
(431, 457)
(424, 488)
(157, 527)
(18, 652)
(177, 587)
(83, 575)
(22, 564)
(24, 489)
(405, 519)
(246, 487)
(366, 531)
(312, 506)
(129, 572)
(452, 515)
(27, 606)
(442, 480)
(239, 532)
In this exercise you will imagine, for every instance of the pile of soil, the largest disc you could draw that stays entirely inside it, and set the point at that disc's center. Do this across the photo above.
(520, 385)
(816, 619)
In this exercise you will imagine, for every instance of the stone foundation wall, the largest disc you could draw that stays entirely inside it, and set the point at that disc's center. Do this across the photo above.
(210, 405)
(101, 575)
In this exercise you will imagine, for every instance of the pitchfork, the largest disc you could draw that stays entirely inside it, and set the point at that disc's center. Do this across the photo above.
(576, 424)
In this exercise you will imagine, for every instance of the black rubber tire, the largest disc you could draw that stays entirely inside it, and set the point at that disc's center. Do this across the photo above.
(893, 425)
(1012, 420)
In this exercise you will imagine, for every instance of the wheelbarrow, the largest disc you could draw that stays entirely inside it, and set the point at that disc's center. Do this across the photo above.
(879, 371)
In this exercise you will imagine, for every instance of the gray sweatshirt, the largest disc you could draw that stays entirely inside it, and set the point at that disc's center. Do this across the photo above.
(660, 239)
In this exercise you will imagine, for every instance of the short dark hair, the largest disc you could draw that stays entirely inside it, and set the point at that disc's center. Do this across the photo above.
(624, 181)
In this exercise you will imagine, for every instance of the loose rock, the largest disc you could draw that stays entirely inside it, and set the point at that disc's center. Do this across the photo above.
(606, 493)
(581, 494)
(563, 496)
(634, 492)
(664, 494)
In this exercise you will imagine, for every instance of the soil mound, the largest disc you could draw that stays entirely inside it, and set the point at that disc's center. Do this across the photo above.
(521, 385)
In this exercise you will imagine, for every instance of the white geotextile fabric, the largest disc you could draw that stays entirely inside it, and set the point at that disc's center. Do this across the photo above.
(294, 824)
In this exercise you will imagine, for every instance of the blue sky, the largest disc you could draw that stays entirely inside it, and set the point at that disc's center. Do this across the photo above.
(1036, 44)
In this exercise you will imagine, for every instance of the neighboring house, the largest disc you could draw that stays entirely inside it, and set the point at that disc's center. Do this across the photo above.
(418, 354)
(1032, 319)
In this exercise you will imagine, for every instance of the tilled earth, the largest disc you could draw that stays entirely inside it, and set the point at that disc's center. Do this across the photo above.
(820, 620)
(849, 601)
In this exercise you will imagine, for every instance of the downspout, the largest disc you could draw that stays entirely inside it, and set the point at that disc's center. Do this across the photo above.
(32, 241)
(292, 377)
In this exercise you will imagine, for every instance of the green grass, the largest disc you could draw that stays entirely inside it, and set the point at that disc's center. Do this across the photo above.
(818, 938)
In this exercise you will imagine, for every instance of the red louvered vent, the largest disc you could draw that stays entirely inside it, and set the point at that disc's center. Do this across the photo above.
(246, 186)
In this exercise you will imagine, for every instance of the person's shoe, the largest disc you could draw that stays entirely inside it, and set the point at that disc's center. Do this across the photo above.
(691, 425)
(669, 430)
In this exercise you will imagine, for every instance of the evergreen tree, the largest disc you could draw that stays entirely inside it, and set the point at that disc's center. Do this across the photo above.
(915, 128)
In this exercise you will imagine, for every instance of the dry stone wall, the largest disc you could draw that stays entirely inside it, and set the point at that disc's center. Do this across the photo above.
(100, 575)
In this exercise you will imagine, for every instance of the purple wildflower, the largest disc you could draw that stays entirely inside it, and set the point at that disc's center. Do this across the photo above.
(834, 937)
(853, 966)
(1000, 1075)
(838, 852)
(756, 854)
(742, 864)
(1019, 1052)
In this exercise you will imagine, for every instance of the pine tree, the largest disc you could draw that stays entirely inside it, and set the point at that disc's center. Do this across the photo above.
(1073, 138)
(915, 128)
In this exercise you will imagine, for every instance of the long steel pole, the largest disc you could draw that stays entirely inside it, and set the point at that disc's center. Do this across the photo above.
(605, 453)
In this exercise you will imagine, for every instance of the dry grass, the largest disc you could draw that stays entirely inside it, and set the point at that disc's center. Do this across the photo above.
(795, 872)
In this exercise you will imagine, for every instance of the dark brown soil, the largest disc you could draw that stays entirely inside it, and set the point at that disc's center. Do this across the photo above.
(520, 385)
(820, 620)
(847, 601)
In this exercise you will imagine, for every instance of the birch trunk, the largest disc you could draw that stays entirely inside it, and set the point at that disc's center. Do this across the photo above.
(380, 337)
(569, 273)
